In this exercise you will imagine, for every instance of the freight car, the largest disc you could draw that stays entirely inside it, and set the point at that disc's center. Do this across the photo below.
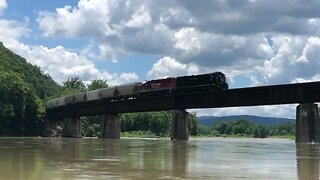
(94, 95)
(126, 91)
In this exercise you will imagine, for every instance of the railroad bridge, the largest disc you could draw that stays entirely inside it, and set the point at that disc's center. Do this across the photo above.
(304, 94)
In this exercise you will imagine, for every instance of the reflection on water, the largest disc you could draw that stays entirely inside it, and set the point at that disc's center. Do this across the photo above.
(179, 159)
(308, 160)
(212, 158)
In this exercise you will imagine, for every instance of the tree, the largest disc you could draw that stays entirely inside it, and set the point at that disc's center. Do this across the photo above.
(74, 84)
(97, 84)
(42, 84)
(157, 123)
(21, 111)
(221, 127)
(193, 124)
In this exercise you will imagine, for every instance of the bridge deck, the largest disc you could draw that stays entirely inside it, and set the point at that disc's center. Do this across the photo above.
(253, 96)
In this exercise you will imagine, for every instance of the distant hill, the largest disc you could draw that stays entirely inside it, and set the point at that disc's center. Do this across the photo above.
(267, 121)
(43, 84)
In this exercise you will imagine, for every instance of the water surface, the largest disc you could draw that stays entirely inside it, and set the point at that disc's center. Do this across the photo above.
(205, 158)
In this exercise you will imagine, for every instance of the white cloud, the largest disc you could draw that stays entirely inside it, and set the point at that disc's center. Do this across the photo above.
(232, 17)
(140, 18)
(90, 18)
(296, 59)
(170, 67)
(221, 35)
(187, 40)
(10, 31)
(61, 64)
(288, 111)
(3, 6)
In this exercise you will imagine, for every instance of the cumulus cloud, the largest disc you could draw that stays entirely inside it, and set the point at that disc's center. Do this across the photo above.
(209, 49)
(58, 61)
(3, 6)
(249, 17)
(287, 111)
(10, 31)
(296, 59)
(170, 67)
(266, 42)
(118, 26)
(61, 64)
(154, 27)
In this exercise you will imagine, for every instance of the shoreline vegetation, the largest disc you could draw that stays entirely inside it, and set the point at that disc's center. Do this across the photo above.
(148, 135)
(141, 134)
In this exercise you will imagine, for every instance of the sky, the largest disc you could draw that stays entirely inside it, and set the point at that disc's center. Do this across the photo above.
(254, 42)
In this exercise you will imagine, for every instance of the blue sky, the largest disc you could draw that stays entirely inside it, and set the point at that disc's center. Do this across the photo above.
(254, 42)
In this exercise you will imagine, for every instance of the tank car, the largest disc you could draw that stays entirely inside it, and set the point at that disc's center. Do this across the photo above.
(127, 90)
(93, 95)
(50, 104)
(60, 101)
(80, 97)
(107, 93)
(69, 99)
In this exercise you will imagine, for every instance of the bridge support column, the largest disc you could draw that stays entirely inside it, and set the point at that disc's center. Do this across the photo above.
(71, 127)
(111, 126)
(307, 123)
(53, 128)
(179, 127)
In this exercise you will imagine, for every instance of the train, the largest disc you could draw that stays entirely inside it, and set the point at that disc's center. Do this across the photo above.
(182, 85)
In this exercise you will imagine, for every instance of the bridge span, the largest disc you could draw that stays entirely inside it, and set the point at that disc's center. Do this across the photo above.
(304, 94)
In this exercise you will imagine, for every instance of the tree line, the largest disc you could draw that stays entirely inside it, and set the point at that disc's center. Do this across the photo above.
(246, 128)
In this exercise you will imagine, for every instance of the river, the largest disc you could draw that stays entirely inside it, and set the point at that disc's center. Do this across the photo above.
(126, 158)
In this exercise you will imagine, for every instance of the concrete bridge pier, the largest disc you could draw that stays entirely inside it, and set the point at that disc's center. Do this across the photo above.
(179, 126)
(110, 126)
(71, 127)
(307, 123)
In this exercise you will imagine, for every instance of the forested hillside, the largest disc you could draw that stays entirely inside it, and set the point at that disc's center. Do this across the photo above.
(265, 121)
(42, 84)
(23, 87)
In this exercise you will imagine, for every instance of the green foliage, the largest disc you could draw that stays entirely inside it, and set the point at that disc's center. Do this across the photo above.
(22, 89)
(155, 122)
(42, 84)
(158, 123)
(147, 124)
(74, 84)
(193, 124)
(21, 111)
(90, 126)
(97, 84)
(245, 128)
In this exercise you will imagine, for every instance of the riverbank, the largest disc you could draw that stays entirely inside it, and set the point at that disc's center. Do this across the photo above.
(290, 137)
(140, 134)
(147, 134)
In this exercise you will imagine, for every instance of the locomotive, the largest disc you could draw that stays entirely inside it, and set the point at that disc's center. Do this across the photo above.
(202, 83)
